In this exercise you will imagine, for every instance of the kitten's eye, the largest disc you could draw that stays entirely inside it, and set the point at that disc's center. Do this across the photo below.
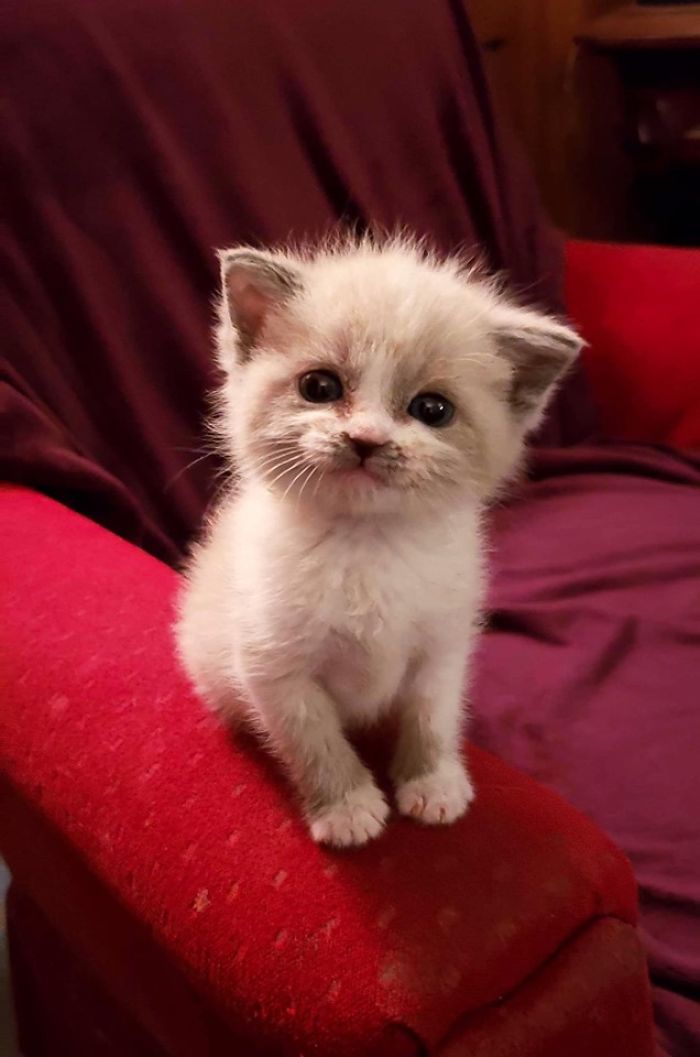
(320, 387)
(431, 409)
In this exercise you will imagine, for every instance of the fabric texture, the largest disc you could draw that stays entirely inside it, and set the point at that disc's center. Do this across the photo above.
(637, 306)
(168, 849)
(589, 678)
(89, 1023)
(139, 135)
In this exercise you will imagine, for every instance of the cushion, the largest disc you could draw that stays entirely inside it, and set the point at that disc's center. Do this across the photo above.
(637, 306)
(589, 677)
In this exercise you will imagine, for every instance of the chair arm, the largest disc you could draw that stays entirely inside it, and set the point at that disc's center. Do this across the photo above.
(132, 818)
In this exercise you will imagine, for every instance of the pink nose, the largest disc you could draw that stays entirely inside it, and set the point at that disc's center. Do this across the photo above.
(363, 448)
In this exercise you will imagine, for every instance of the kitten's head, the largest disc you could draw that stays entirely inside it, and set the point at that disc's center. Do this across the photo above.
(376, 377)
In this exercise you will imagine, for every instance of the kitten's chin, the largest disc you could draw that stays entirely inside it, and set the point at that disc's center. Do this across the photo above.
(357, 491)
(357, 477)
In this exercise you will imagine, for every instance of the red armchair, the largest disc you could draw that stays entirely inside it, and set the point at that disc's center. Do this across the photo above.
(166, 901)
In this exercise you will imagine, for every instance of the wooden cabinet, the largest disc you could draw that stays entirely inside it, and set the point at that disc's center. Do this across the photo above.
(639, 76)
(531, 58)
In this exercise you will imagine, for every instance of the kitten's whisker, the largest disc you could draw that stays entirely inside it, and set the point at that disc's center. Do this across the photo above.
(305, 482)
(184, 469)
(278, 442)
(262, 466)
(265, 471)
(268, 447)
(201, 450)
(273, 447)
(291, 457)
(287, 469)
(279, 453)
(213, 502)
(318, 482)
(294, 480)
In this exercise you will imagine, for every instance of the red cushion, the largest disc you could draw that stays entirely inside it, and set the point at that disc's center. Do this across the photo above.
(637, 306)
(175, 860)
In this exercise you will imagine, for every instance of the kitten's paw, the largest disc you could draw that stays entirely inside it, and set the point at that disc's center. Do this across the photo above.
(357, 818)
(436, 798)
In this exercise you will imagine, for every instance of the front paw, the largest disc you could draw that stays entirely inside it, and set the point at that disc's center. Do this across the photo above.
(436, 798)
(355, 819)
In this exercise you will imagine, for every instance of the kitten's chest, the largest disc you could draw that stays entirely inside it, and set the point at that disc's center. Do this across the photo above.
(369, 620)
(365, 592)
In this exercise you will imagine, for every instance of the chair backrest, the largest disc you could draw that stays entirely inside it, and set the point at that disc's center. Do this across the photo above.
(138, 135)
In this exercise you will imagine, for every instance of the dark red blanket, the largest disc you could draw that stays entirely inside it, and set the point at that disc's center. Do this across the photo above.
(138, 135)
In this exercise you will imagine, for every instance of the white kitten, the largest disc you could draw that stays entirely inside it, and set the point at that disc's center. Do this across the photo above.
(374, 398)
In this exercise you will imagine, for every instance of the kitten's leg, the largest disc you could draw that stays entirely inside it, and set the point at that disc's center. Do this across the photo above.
(342, 803)
(431, 778)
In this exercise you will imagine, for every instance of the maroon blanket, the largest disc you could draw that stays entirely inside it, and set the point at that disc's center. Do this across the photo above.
(590, 677)
(135, 136)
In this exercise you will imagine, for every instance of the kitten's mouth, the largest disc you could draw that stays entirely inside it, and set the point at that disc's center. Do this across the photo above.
(361, 474)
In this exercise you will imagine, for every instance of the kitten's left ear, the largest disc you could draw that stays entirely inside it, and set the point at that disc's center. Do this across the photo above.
(540, 350)
(254, 283)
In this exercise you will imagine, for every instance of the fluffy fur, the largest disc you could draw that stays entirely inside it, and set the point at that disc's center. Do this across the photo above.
(340, 580)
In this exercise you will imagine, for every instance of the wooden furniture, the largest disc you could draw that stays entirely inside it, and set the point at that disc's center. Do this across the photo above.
(641, 26)
(605, 98)
(639, 77)
(529, 52)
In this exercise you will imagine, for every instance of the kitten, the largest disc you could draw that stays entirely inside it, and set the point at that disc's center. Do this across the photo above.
(374, 398)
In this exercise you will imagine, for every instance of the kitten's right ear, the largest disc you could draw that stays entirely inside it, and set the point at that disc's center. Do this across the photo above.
(254, 283)
(540, 349)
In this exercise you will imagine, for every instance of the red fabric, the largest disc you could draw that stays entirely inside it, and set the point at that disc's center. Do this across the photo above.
(588, 679)
(175, 861)
(60, 1008)
(569, 1008)
(638, 307)
(566, 1009)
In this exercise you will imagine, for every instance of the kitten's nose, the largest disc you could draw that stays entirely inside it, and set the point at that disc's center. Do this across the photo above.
(363, 448)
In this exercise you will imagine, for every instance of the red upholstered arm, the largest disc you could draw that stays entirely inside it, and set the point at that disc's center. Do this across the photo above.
(175, 862)
(639, 309)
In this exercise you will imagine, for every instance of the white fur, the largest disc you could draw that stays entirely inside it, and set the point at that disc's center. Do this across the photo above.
(319, 600)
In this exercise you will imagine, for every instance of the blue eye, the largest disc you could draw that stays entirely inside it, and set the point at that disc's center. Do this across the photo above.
(431, 409)
(320, 387)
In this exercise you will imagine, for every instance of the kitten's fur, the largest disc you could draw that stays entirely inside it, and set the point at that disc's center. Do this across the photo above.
(321, 600)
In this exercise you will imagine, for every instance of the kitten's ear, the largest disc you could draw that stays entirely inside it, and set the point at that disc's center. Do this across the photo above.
(254, 283)
(540, 349)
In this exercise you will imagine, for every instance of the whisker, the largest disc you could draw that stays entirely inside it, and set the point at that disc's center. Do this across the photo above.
(212, 503)
(320, 478)
(260, 464)
(197, 451)
(294, 480)
(287, 469)
(271, 467)
(264, 465)
(305, 482)
(184, 469)
(283, 449)
(278, 445)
